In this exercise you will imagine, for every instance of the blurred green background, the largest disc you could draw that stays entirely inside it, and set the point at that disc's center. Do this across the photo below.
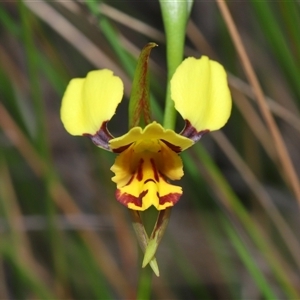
(235, 232)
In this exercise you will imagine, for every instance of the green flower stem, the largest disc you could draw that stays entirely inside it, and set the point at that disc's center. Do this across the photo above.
(175, 15)
(144, 284)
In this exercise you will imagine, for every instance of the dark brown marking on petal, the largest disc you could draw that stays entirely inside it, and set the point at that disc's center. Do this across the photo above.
(155, 172)
(126, 198)
(139, 175)
(142, 195)
(175, 148)
(163, 177)
(121, 149)
(130, 180)
(171, 198)
(149, 180)
(102, 137)
(190, 132)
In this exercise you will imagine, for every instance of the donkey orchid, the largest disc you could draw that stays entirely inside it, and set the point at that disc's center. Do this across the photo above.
(148, 157)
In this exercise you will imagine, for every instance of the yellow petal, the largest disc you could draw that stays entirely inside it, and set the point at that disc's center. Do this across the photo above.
(122, 168)
(200, 91)
(140, 174)
(90, 101)
(151, 131)
(169, 163)
(145, 189)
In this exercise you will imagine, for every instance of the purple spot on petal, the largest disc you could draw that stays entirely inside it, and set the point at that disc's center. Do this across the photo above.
(102, 137)
(190, 132)
(176, 149)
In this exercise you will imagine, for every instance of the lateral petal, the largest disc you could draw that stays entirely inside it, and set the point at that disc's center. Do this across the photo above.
(91, 101)
(200, 91)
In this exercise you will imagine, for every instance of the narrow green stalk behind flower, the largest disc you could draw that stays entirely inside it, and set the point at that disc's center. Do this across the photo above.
(175, 16)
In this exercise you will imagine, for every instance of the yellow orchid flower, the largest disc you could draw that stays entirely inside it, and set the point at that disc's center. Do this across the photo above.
(148, 158)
